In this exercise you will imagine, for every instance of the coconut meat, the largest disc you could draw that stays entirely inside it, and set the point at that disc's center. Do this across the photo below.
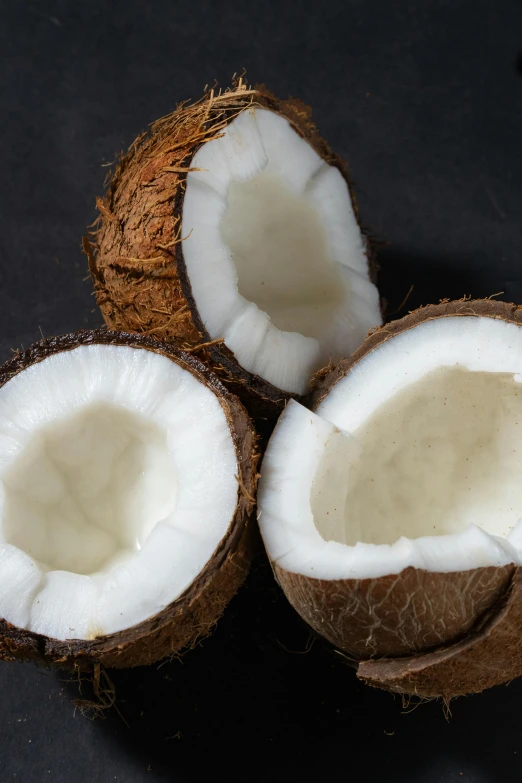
(275, 257)
(412, 459)
(117, 483)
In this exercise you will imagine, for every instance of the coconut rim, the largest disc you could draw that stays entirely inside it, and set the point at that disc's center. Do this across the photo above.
(20, 643)
(481, 308)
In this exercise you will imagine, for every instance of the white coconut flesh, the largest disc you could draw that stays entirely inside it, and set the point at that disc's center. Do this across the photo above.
(275, 257)
(117, 483)
(414, 458)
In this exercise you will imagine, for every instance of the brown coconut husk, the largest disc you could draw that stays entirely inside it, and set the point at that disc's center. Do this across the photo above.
(193, 615)
(136, 253)
(418, 632)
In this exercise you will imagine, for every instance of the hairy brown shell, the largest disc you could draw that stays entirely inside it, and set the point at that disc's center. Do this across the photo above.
(136, 258)
(397, 614)
(195, 612)
(490, 654)
(418, 632)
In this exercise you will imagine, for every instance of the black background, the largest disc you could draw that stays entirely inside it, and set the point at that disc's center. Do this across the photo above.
(424, 99)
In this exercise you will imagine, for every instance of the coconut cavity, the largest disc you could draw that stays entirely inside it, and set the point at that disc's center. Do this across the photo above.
(441, 454)
(273, 251)
(118, 481)
(280, 251)
(88, 489)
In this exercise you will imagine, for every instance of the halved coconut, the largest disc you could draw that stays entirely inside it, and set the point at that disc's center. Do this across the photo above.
(392, 513)
(233, 221)
(127, 473)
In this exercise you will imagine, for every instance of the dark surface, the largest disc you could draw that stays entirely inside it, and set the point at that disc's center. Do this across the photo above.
(425, 100)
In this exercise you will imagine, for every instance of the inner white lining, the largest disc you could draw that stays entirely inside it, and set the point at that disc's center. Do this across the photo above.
(275, 256)
(117, 483)
(306, 470)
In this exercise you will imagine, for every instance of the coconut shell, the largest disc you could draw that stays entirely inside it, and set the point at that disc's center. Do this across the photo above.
(419, 632)
(192, 615)
(136, 257)
(397, 614)
(489, 655)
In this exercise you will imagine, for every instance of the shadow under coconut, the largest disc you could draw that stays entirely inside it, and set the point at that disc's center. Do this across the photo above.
(260, 700)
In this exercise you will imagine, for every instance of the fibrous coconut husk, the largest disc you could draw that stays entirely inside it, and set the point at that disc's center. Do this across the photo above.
(136, 253)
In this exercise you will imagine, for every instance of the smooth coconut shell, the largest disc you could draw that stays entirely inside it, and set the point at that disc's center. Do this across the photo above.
(398, 614)
(194, 613)
(136, 259)
(455, 632)
(490, 655)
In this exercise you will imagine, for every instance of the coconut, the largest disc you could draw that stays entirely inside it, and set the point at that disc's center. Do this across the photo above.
(392, 511)
(231, 224)
(127, 475)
